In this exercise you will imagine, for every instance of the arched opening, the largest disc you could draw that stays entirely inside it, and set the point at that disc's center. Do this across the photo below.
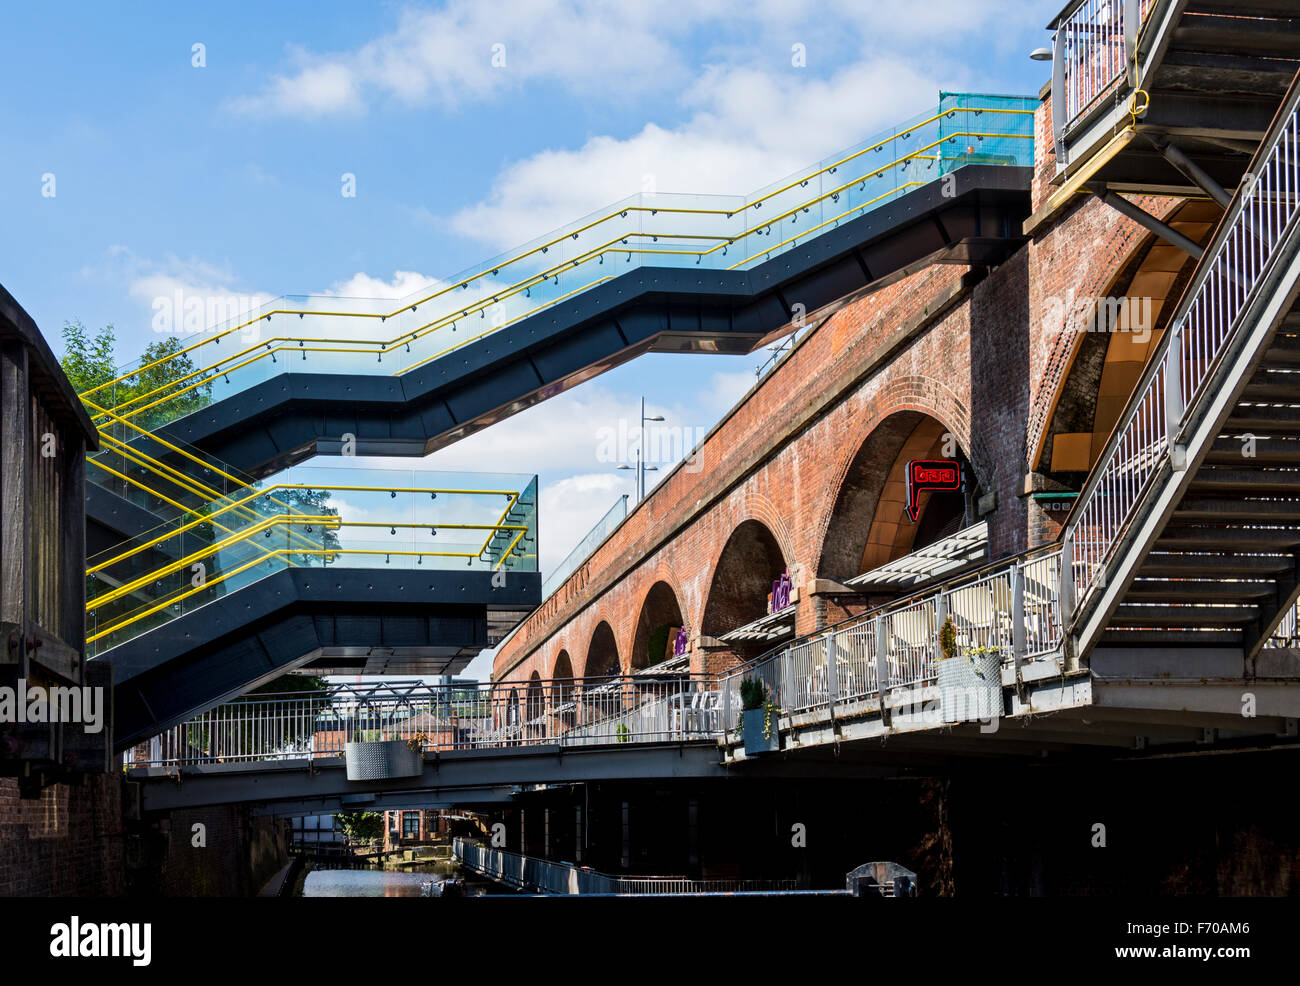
(563, 709)
(869, 525)
(561, 676)
(602, 654)
(1113, 338)
(656, 628)
(535, 708)
(751, 561)
(601, 690)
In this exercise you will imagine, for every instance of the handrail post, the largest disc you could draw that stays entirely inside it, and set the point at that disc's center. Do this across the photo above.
(1059, 102)
(882, 665)
(725, 684)
(832, 671)
(1174, 406)
(1066, 589)
(1132, 25)
(1019, 643)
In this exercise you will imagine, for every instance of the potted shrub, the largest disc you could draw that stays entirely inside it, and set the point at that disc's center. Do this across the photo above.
(758, 718)
(970, 679)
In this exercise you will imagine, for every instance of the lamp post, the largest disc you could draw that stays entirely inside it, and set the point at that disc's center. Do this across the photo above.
(640, 467)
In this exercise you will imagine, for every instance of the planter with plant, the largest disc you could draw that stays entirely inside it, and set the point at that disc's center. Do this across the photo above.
(379, 759)
(759, 716)
(969, 678)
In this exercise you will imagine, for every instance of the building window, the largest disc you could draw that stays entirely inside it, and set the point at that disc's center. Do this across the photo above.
(410, 825)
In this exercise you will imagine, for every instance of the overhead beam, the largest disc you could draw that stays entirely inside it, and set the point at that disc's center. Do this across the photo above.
(1198, 175)
(1149, 222)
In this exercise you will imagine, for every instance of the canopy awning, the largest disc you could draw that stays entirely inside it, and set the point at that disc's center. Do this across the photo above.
(767, 629)
(969, 546)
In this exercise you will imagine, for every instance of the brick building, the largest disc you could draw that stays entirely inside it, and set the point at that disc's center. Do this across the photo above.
(1000, 369)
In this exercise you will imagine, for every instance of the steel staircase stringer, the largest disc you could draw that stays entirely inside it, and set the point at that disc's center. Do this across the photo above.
(1201, 423)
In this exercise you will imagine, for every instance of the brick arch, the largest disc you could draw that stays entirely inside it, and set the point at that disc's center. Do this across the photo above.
(1126, 243)
(562, 665)
(596, 661)
(747, 561)
(758, 507)
(911, 399)
(660, 605)
(644, 578)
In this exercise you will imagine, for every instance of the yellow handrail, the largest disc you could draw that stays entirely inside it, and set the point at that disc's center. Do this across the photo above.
(154, 541)
(171, 600)
(205, 552)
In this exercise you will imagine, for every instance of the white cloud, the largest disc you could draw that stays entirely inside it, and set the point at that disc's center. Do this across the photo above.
(568, 510)
(362, 285)
(469, 51)
(750, 128)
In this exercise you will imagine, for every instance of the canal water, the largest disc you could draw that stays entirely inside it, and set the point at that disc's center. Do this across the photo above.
(405, 881)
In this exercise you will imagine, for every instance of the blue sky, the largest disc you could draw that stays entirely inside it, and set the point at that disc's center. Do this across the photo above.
(470, 126)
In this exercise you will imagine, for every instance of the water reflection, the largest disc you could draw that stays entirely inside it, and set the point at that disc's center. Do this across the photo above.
(375, 882)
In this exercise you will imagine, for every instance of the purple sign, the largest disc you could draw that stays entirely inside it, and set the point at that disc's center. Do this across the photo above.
(781, 592)
(680, 642)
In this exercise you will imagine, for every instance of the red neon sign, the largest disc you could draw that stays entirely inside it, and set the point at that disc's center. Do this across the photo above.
(930, 474)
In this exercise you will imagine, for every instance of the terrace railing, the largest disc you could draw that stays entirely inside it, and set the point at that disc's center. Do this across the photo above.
(1095, 47)
(548, 877)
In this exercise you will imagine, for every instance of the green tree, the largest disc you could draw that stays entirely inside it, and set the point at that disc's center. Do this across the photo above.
(88, 362)
(361, 826)
(151, 396)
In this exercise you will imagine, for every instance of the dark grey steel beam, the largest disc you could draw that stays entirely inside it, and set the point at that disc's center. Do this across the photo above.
(468, 771)
(1198, 175)
(1148, 221)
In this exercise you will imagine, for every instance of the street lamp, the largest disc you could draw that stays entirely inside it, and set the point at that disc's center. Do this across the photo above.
(640, 467)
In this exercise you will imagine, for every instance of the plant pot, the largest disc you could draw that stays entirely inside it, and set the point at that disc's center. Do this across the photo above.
(756, 744)
(381, 760)
(970, 688)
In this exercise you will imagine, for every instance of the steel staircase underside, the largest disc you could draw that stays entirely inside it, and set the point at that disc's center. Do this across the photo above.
(1225, 565)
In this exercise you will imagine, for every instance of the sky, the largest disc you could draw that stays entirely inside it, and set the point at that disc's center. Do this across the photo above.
(203, 147)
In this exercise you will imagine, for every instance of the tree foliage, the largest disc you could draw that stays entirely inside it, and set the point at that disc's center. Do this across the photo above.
(150, 396)
(361, 826)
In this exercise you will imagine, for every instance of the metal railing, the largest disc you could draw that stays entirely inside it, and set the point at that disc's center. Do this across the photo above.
(1095, 44)
(311, 517)
(366, 336)
(461, 716)
(1261, 218)
(545, 876)
(1016, 607)
(582, 551)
